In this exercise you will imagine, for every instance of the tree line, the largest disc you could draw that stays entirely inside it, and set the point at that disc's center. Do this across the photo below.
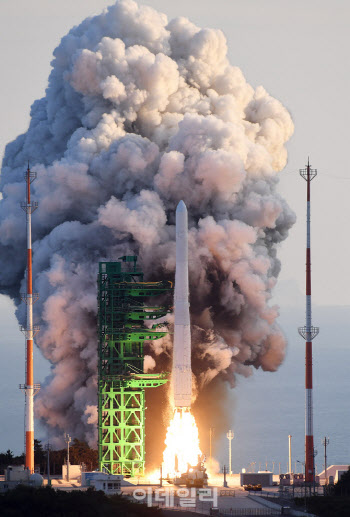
(25, 501)
(335, 502)
(79, 453)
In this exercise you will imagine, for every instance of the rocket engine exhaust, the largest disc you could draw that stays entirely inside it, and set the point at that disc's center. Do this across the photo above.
(181, 370)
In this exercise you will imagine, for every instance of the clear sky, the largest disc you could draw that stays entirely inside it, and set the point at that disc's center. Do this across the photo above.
(297, 50)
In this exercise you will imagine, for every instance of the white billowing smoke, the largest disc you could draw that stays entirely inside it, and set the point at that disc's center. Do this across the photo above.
(139, 114)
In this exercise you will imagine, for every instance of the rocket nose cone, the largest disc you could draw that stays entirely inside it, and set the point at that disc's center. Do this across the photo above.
(181, 207)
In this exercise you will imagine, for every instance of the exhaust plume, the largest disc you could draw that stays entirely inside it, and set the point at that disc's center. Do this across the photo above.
(140, 113)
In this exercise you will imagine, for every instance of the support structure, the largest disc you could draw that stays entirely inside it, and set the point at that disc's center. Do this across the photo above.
(290, 454)
(325, 443)
(230, 435)
(122, 314)
(211, 432)
(308, 332)
(68, 440)
(224, 470)
(29, 331)
(48, 449)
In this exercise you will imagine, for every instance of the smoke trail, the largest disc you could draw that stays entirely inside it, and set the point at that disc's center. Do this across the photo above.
(138, 114)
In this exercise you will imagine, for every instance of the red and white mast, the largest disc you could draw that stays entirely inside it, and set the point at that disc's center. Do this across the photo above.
(308, 333)
(30, 331)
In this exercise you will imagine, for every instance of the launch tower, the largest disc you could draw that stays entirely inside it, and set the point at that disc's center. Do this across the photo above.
(122, 314)
(308, 333)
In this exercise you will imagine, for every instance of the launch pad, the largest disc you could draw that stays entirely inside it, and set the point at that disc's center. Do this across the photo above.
(122, 313)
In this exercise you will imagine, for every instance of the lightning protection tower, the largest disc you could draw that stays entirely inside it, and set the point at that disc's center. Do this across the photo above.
(308, 333)
(122, 313)
(29, 388)
(230, 435)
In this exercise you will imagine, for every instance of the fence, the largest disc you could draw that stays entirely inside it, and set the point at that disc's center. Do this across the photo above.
(285, 494)
(249, 512)
(234, 512)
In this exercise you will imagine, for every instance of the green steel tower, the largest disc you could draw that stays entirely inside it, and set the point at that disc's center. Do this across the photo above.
(122, 313)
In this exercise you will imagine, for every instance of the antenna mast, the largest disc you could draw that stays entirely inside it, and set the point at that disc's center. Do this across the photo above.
(29, 388)
(308, 333)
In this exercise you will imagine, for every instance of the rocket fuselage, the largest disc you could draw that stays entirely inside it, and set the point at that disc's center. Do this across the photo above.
(182, 372)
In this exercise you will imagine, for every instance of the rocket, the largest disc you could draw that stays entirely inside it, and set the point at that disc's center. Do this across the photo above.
(181, 371)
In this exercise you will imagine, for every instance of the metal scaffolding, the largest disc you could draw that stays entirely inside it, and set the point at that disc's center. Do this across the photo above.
(121, 385)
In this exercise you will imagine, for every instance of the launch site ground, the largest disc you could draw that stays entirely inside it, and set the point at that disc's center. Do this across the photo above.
(240, 500)
(221, 501)
(229, 500)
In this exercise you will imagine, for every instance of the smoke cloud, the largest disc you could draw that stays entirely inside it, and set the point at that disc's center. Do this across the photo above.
(140, 113)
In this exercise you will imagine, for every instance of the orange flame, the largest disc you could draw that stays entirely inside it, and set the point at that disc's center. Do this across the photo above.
(182, 444)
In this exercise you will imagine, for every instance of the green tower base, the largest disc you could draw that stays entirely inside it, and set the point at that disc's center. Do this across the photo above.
(122, 383)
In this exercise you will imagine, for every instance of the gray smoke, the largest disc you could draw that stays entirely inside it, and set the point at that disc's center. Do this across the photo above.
(140, 113)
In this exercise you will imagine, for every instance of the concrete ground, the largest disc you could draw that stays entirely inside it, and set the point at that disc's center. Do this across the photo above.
(170, 497)
(61, 484)
(174, 497)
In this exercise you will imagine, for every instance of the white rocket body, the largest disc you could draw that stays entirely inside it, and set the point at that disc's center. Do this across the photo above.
(182, 372)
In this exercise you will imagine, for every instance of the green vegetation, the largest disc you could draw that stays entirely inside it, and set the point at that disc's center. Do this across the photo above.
(342, 488)
(337, 504)
(8, 458)
(79, 452)
(46, 502)
(328, 506)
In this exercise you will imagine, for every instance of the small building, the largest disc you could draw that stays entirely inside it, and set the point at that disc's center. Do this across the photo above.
(338, 475)
(110, 484)
(19, 475)
(298, 479)
(256, 478)
(334, 471)
(284, 479)
(74, 472)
